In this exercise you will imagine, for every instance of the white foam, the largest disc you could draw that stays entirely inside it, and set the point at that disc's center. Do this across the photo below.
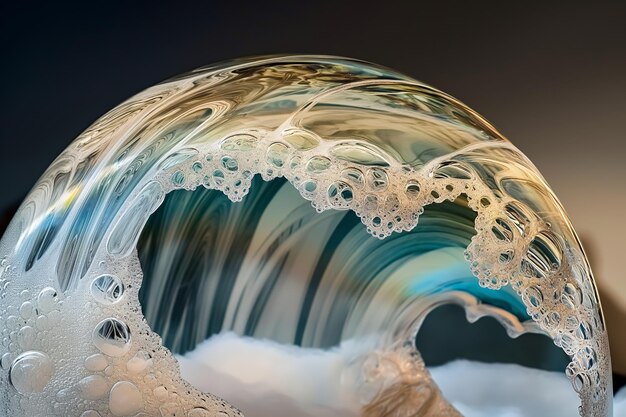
(263, 377)
(505, 390)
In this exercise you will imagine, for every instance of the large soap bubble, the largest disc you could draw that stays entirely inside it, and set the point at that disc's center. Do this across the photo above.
(337, 204)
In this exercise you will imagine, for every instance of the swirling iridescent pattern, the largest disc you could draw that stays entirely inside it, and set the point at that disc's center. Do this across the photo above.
(373, 151)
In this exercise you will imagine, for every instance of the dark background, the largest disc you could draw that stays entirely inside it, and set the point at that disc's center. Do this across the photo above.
(551, 77)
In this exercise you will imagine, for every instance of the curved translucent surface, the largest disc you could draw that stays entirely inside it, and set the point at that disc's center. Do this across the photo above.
(374, 152)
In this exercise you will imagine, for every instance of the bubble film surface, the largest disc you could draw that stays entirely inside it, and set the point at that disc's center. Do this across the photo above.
(336, 204)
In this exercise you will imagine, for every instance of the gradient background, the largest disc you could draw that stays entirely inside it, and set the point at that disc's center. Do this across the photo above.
(551, 77)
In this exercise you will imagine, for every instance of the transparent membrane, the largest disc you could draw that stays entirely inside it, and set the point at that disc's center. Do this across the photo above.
(336, 205)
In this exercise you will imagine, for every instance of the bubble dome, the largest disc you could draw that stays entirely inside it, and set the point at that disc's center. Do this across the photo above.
(308, 210)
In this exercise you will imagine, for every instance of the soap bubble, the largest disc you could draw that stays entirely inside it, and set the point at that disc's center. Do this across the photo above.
(286, 226)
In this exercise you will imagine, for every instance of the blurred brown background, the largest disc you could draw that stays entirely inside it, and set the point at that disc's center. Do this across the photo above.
(551, 77)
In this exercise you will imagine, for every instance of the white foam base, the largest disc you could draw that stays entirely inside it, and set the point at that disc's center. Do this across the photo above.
(505, 390)
(263, 377)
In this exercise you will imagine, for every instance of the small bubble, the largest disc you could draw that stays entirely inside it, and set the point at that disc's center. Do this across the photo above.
(353, 175)
(218, 177)
(42, 323)
(27, 309)
(239, 142)
(301, 140)
(346, 194)
(506, 256)
(54, 318)
(584, 330)
(125, 399)
(47, 299)
(332, 191)
(91, 413)
(12, 321)
(566, 342)
(340, 194)
(196, 167)
(112, 337)
(199, 412)
(579, 382)
(93, 387)
(295, 162)
(277, 154)
(96, 362)
(572, 296)
(65, 395)
(552, 319)
(139, 363)
(6, 361)
(230, 163)
(160, 393)
(377, 179)
(30, 372)
(310, 186)
(169, 409)
(412, 189)
(317, 164)
(532, 295)
(107, 289)
(392, 204)
(26, 337)
(371, 202)
(178, 178)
